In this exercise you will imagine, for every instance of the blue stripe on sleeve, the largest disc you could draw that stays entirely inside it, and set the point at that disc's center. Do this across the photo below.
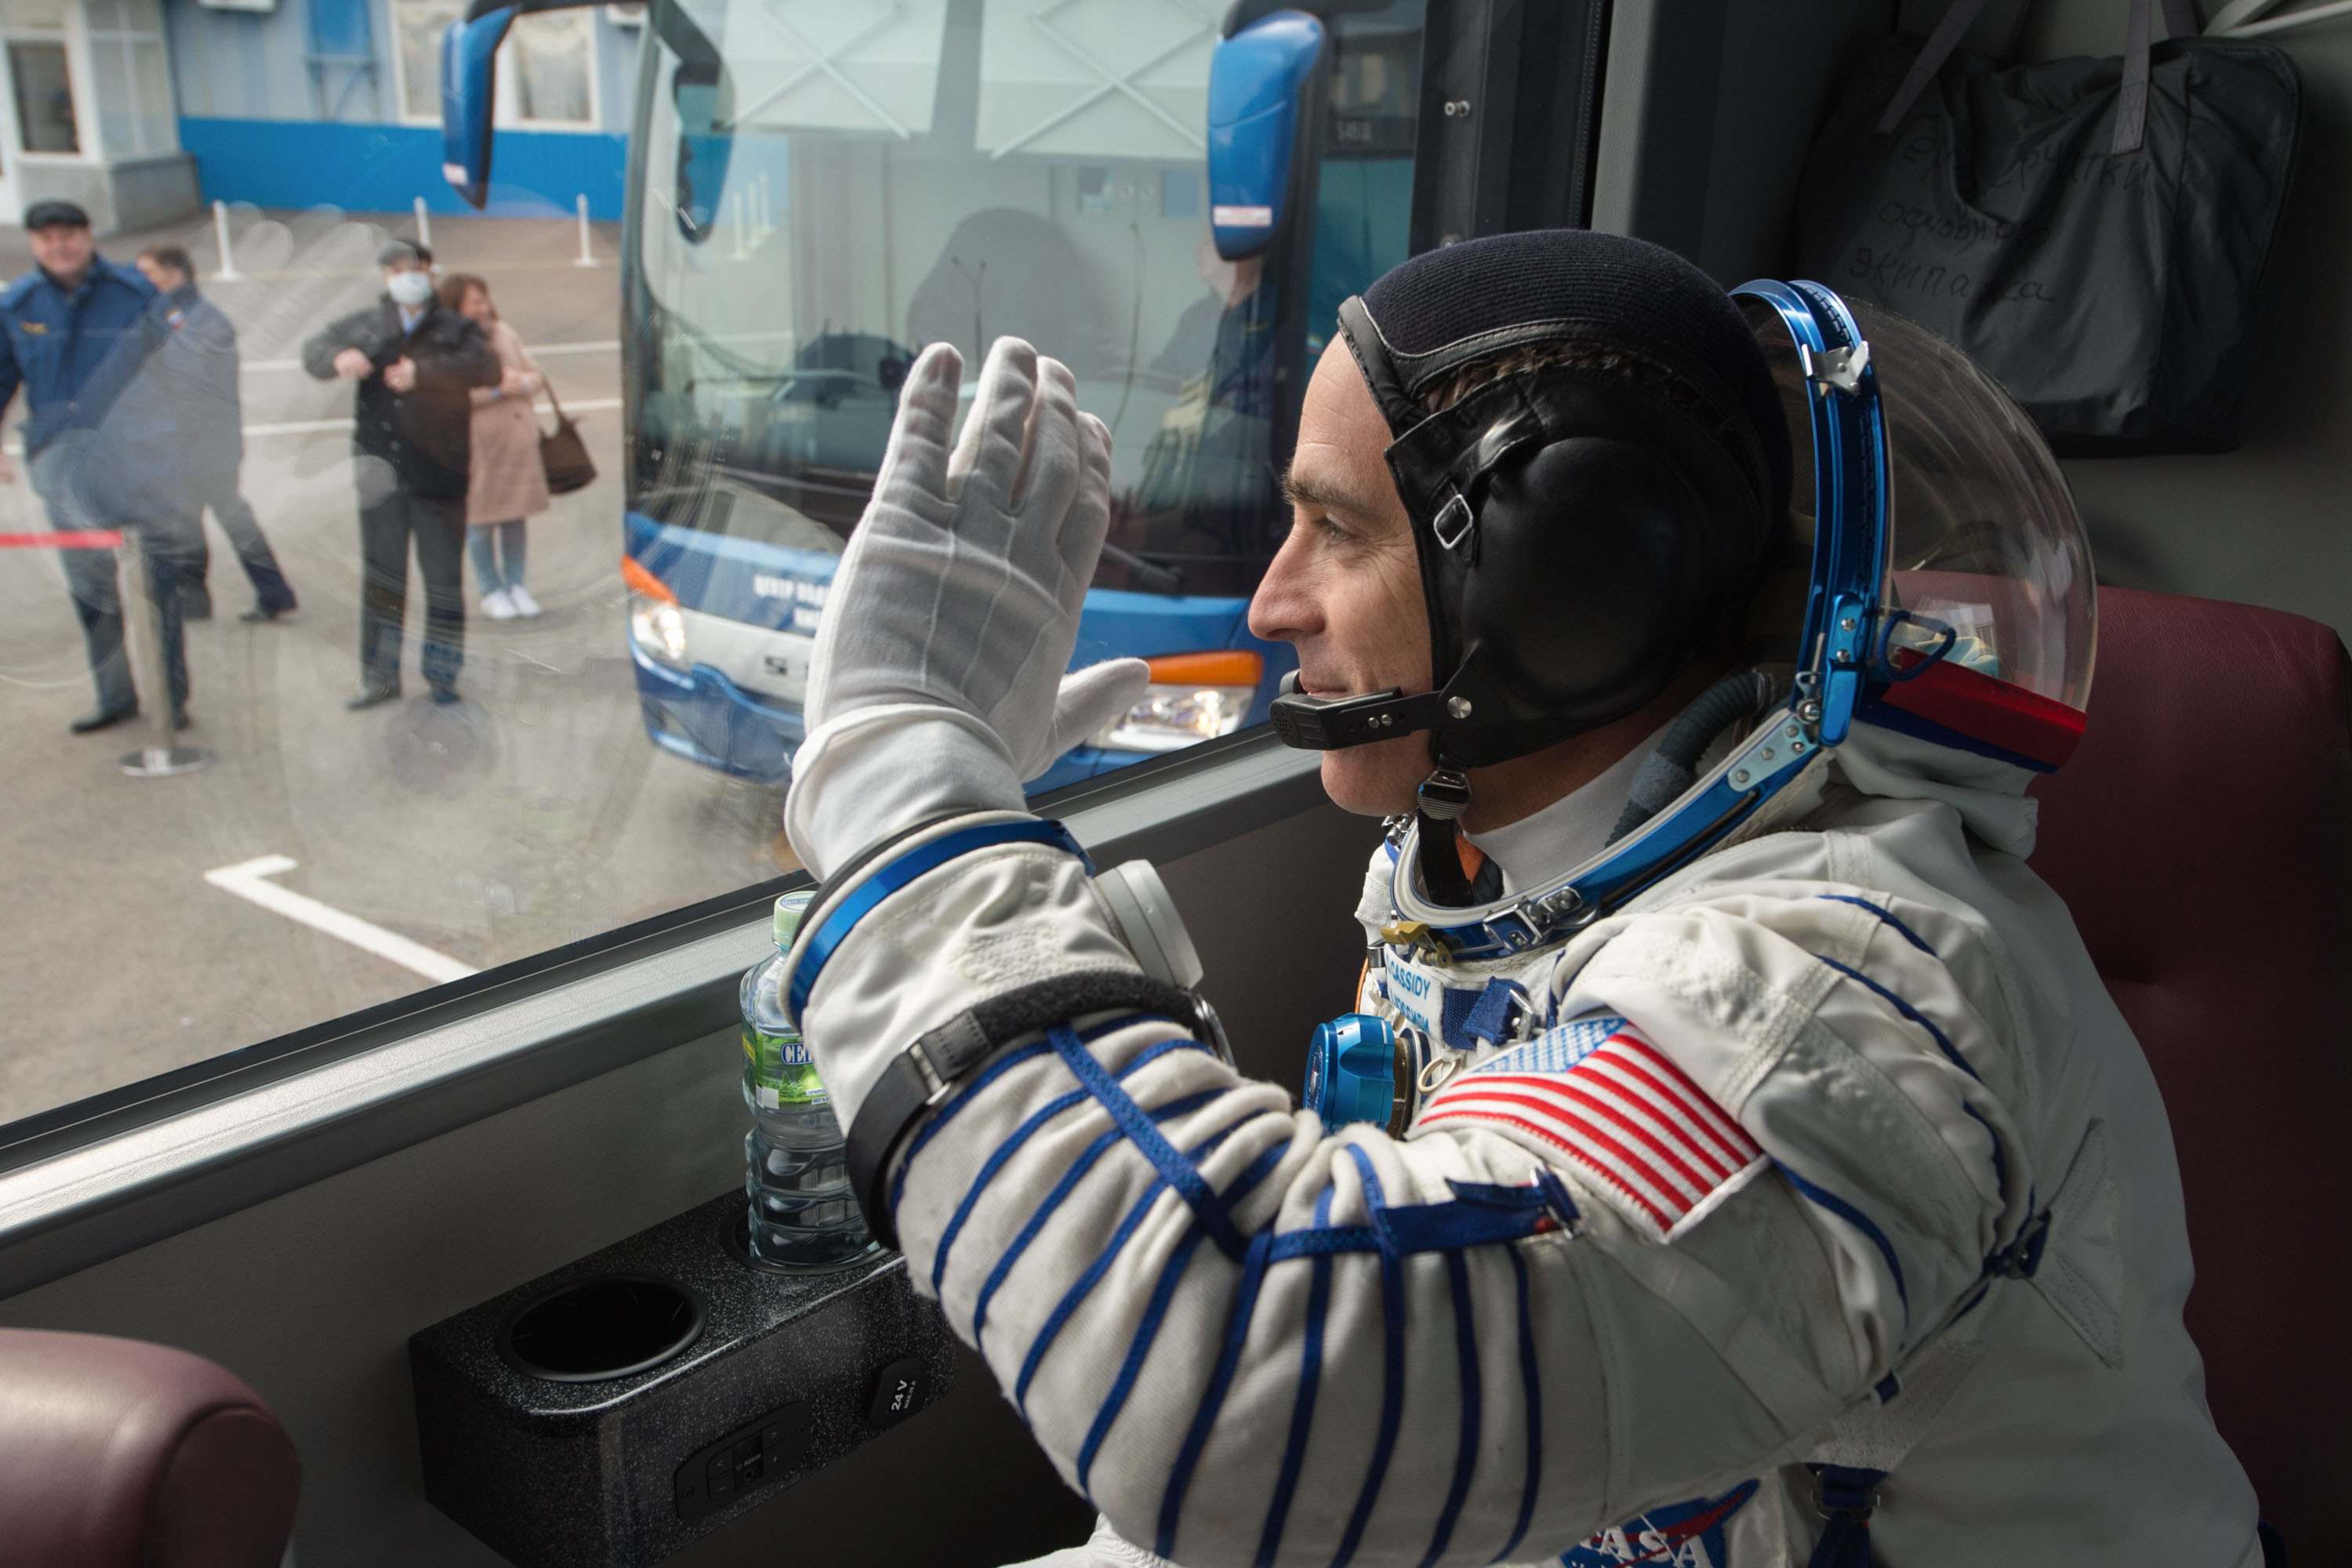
(1999, 1155)
(1908, 1011)
(1465, 1457)
(997, 1069)
(1076, 1294)
(1392, 1368)
(1021, 1134)
(1148, 1330)
(956, 1102)
(1532, 1417)
(995, 1162)
(1062, 1190)
(1861, 1222)
(1302, 1411)
(1138, 1352)
(1904, 931)
(1179, 1172)
(1073, 1298)
(1212, 1398)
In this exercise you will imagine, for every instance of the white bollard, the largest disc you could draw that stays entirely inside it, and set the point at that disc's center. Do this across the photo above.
(587, 258)
(142, 634)
(424, 224)
(229, 272)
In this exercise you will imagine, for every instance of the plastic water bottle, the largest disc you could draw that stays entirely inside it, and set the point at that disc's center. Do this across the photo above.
(796, 1169)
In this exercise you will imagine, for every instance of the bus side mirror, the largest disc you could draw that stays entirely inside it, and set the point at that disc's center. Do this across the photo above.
(468, 93)
(1258, 81)
(701, 93)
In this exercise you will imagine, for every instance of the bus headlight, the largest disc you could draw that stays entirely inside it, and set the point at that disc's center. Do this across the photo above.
(1193, 697)
(656, 624)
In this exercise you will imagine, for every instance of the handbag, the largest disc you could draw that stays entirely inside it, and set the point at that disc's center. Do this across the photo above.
(563, 454)
(2093, 232)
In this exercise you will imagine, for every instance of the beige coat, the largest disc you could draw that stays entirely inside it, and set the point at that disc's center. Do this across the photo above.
(508, 480)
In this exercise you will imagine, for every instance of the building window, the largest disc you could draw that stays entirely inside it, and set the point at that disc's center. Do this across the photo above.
(420, 25)
(44, 104)
(553, 59)
(127, 77)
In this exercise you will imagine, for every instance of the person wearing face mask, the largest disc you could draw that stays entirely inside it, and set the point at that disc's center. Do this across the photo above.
(413, 365)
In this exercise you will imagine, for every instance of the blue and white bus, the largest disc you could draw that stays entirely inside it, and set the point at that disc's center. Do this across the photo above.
(816, 193)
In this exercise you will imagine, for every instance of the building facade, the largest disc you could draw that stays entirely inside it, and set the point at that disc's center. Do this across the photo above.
(87, 112)
(143, 111)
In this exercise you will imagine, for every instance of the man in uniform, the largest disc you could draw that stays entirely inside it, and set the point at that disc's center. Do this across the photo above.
(60, 324)
(1738, 1196)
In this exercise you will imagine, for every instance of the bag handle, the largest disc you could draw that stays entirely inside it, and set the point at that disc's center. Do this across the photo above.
(547, 385)
(2131, 103)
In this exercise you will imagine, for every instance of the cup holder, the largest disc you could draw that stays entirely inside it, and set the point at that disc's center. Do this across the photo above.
(613, 1326)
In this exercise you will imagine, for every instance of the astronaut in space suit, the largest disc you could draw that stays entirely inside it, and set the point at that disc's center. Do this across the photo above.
(1733, 1159)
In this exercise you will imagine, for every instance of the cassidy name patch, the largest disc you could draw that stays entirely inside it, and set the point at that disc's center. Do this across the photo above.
(1597, 1091)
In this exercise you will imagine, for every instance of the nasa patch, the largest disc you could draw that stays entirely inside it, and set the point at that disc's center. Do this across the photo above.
(1680, 1535)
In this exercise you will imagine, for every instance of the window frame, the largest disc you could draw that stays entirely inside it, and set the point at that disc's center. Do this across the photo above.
(78, 82)
(102, 1176)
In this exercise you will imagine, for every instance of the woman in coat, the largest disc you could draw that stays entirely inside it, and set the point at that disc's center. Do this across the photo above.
(508, 482)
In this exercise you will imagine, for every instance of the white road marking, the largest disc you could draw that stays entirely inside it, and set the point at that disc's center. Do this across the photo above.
(315, 427)
(249, 881)
(16, 445)
(604, 346)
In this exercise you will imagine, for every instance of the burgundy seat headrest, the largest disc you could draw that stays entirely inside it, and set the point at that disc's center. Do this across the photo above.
(118, 1453)
(2202, 837)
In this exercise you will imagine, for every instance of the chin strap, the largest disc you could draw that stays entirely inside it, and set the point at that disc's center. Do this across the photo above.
(1441, 799)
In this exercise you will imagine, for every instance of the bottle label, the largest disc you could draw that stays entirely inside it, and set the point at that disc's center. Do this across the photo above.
(778, 1068)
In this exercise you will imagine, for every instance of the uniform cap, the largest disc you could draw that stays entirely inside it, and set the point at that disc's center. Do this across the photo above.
(54, 214)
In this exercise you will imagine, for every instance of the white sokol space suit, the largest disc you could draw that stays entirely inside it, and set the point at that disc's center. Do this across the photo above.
(1814, 1183)
(1845, 1064)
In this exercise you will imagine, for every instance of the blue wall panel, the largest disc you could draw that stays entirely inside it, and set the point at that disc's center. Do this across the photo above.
(384, 168)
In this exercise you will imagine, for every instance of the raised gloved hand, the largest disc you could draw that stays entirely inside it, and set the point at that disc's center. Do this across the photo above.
(938, 681)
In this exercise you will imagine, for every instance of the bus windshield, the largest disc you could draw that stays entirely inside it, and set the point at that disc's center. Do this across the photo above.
(809, 209)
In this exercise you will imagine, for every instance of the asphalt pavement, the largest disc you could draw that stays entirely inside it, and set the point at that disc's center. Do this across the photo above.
(414, 840)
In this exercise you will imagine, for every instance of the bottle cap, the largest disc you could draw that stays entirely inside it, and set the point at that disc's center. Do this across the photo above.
(789, 910)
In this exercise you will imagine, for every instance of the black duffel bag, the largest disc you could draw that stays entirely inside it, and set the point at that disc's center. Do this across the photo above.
(2091, 231)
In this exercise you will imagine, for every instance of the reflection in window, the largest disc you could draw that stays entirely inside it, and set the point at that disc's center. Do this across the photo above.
(813, 205)
(420, 25)
(45, 104)
(552, 59)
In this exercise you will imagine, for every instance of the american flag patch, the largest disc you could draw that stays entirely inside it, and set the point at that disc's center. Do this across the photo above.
(1599, 1091)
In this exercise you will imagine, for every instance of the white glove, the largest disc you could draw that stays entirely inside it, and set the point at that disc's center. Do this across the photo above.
(937, 683)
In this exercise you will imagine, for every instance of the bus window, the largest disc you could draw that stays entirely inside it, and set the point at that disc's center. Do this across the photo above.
(802, 223)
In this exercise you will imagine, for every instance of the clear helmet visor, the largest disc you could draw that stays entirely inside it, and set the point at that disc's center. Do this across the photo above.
(1988, 570)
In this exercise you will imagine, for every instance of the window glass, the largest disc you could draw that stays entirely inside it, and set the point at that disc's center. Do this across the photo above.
(551, 66)
(420, 25)
(443, 716)
(110, 80)
(44, 104)
(152, 95)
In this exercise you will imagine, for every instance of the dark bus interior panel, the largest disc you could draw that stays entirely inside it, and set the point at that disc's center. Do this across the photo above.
(307, 1271)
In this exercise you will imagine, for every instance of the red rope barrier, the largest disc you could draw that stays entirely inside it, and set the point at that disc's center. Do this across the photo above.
(85, 539)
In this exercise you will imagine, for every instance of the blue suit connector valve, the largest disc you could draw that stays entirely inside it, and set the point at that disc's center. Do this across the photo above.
(1351, 1071)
